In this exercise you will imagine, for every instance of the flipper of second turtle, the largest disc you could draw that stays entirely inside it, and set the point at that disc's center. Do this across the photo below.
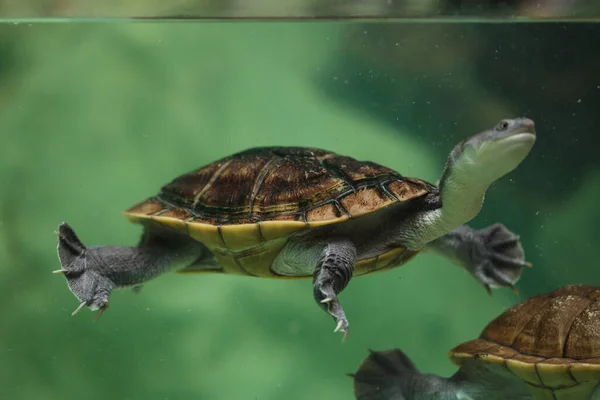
(493, 255)
(391, 375)
(383, 375)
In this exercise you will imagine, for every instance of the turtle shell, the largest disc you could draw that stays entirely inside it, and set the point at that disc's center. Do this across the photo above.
(245, 206)
(551, 342)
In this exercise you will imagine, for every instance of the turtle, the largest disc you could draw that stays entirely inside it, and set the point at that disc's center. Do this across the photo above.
(302, 212)
(544, 348)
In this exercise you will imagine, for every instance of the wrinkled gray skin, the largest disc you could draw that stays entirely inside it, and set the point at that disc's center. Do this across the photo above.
(494, 255)
(390, 375)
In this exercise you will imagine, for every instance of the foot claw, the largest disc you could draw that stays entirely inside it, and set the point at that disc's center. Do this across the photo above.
(342, 326)
(60, 271)
(488, 289)
(79, 308)
(100, 312)
(338, 327)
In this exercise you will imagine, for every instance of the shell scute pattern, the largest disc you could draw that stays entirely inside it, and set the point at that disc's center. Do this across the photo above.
(551, 325)
(281, 184)
(551, 341)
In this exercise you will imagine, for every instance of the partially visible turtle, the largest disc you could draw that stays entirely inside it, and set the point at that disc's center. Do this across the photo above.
(545, 348)
(293, 212)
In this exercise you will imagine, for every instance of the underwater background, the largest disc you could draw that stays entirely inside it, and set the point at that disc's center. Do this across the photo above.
(96, 115)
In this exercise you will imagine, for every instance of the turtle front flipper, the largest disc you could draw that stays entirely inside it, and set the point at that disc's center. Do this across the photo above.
(493, 255)
(331, 276)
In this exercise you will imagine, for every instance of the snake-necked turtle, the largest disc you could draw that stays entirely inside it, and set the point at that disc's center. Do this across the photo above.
(544, 348)
(293, 212)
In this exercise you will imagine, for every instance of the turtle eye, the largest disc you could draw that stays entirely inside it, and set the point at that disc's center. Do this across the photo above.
(503, 125)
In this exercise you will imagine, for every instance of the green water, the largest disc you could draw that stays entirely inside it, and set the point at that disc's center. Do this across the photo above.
(95, 117)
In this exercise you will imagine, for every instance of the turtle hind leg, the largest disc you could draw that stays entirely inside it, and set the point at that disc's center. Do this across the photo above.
(493, 255)
(93, 272)
(331, 276)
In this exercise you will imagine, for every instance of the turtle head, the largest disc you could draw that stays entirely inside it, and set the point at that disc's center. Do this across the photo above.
(491, 154)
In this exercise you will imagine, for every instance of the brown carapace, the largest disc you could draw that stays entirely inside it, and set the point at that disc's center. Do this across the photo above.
(551, 342)
(245, 206)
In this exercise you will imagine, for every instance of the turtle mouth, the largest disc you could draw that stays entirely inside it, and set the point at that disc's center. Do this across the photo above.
(530, 130)
(523, 126)
(519, 138)
(522, 133)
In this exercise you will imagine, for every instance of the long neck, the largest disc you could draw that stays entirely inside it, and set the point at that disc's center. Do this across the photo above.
(462, 198)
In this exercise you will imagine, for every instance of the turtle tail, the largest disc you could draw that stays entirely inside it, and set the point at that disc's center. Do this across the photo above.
(71, 252)
(384, 375)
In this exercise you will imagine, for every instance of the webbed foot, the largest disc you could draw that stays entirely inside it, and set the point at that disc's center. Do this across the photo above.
(497, 257)
(78, 266)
